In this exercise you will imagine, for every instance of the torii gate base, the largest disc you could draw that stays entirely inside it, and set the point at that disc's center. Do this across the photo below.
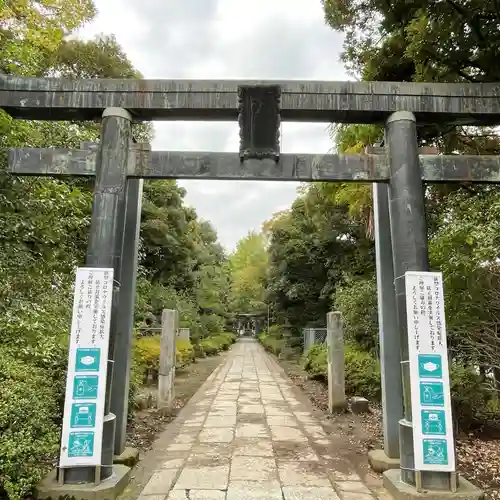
(403, 491)
(52, 488)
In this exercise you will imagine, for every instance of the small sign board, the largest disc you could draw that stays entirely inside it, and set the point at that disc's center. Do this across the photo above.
(433, 443)
(81, 439)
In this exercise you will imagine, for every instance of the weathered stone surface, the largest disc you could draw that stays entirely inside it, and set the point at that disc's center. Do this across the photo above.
(281, 420)
(193, 495)
(291, 434)
(246, 468)
(129, 457)
(249, 460)
(161, 482)
(253, 490)
(166, 374)
(380, 462)
(217, 435)
(203, 478)
(312, 493)
(107, 490)
(251, 431)
(227, 166)
(174, 463)
(221, 421)
(359, 405)
(253, 448)
(302, 474)
(336, 369)
(259, 121)
(352, 486)
(339, 102)
(402, 491)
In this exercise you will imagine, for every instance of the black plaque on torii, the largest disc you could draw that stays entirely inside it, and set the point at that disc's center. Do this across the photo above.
(259, 120)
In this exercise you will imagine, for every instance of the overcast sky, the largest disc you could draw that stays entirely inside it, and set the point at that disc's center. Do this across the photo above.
(226, 39)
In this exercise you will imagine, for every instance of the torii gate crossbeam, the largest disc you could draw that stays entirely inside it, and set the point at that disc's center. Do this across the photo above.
(212, 100)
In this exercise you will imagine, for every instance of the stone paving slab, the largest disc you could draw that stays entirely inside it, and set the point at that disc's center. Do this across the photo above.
(247, 436)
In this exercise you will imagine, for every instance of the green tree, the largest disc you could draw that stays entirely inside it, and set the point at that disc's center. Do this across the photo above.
(418, 40)
(248, 268)
(32, 31)
(311, 248)
(438, 41)
(43, 236)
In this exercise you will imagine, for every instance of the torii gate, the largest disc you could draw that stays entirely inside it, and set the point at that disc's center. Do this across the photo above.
(259, 107)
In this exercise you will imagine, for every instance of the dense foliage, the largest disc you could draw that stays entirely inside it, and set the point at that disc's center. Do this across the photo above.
(321, 252)
(147, 353)
(43, 234)
(248, 267)
(310, 249)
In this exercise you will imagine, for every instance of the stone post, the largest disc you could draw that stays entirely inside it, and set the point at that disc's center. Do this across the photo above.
(409, 243)
(309, 338)
(184, 334)
(166, 373)
(389, 338)
(336, 369)
(104, 250)
(125, 320)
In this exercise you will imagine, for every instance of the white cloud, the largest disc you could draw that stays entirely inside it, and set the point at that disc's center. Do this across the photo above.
(221, 39)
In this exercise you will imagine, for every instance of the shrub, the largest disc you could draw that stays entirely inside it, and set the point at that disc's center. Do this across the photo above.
(184, 353)
(216, 343)
(29, 418)
(223, 340)
(147, 355)
(362, 373)
(275, 331)
(199, 352)
(211, 324)
(210, 348)
(315, 362)
(473, 403)
(232, 337)
(273, 339)
(357, 301)
(136, 379)
(271, 343)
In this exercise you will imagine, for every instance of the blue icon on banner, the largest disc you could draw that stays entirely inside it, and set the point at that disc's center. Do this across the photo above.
(435, 451)
(85, 386)
(88, 359)
(83, 414)
(431, 394)
(81, 444)
(433, 422)
(430, 366)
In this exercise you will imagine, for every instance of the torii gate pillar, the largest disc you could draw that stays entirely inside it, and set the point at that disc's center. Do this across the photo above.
(104, 250)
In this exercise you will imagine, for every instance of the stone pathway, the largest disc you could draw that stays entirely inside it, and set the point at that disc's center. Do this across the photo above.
(245, 435)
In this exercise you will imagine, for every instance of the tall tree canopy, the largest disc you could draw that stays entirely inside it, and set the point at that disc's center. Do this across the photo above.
(248, 267)
(312, 248)
(44, 228)
(419, 40)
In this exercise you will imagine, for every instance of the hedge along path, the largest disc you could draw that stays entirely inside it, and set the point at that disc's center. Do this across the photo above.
(146, 352)
(246, 435)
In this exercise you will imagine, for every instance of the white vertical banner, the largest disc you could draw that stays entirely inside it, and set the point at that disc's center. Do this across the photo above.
(433, 443)
(81, 439)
